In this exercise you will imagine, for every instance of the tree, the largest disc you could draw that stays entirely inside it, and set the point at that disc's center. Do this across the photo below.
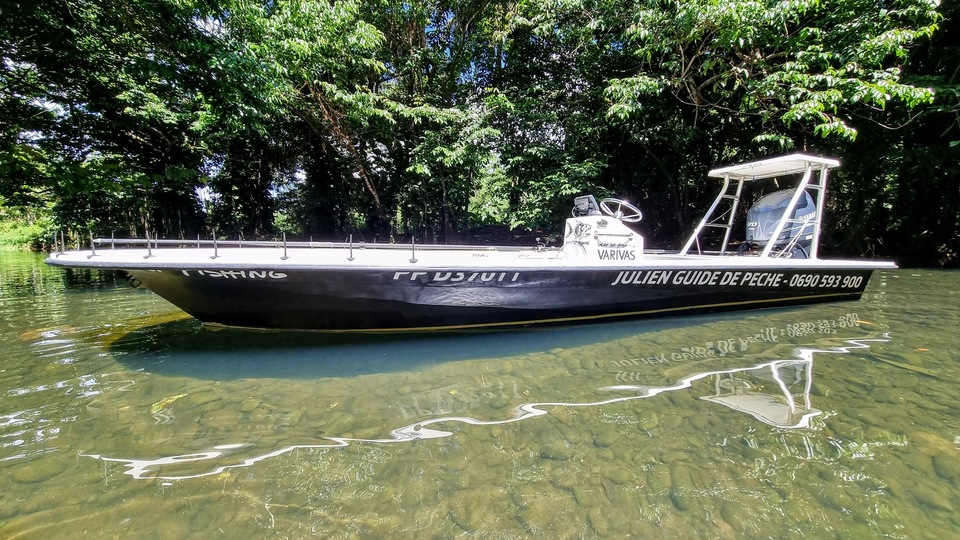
(387, 118)
(112, 83)
(720, 81)
(905, 201)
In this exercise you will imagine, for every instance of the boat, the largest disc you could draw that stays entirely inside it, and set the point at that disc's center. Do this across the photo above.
(602, 270)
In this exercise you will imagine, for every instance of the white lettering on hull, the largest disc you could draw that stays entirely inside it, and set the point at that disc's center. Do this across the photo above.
(730, 278)
(458, 277)
(236, 274)
(643, 277)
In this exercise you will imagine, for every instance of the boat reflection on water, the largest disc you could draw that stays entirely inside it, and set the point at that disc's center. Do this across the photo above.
(740, 391)
(775, 392)
(786, 405)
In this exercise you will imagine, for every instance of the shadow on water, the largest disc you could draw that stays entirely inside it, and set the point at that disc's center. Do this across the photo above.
(188, 348)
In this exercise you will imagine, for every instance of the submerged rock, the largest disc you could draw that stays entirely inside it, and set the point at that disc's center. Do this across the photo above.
(38, 470)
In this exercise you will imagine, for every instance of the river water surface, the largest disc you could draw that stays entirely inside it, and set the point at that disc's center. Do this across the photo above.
(122, 417)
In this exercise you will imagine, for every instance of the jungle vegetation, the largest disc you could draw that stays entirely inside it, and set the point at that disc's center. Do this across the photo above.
(436, 119)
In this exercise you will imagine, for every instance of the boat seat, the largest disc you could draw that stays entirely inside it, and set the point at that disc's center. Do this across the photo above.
(585, 205)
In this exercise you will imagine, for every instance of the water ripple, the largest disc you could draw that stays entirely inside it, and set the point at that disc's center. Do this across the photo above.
(799, 417)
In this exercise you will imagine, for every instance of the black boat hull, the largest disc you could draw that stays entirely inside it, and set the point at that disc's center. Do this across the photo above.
(376, 300)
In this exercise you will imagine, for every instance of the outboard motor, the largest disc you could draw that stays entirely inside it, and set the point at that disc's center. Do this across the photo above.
(763, 217)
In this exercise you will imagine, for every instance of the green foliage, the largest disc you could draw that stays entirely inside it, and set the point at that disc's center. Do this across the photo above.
(24, 227)
(780, 65)
(383, 118)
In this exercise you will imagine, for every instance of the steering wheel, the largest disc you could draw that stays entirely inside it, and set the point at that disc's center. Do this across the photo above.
(621, 210)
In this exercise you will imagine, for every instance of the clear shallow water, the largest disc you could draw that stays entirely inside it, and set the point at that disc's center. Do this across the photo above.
(121, 417)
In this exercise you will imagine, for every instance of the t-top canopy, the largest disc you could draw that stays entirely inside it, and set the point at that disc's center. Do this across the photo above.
(778, 166)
